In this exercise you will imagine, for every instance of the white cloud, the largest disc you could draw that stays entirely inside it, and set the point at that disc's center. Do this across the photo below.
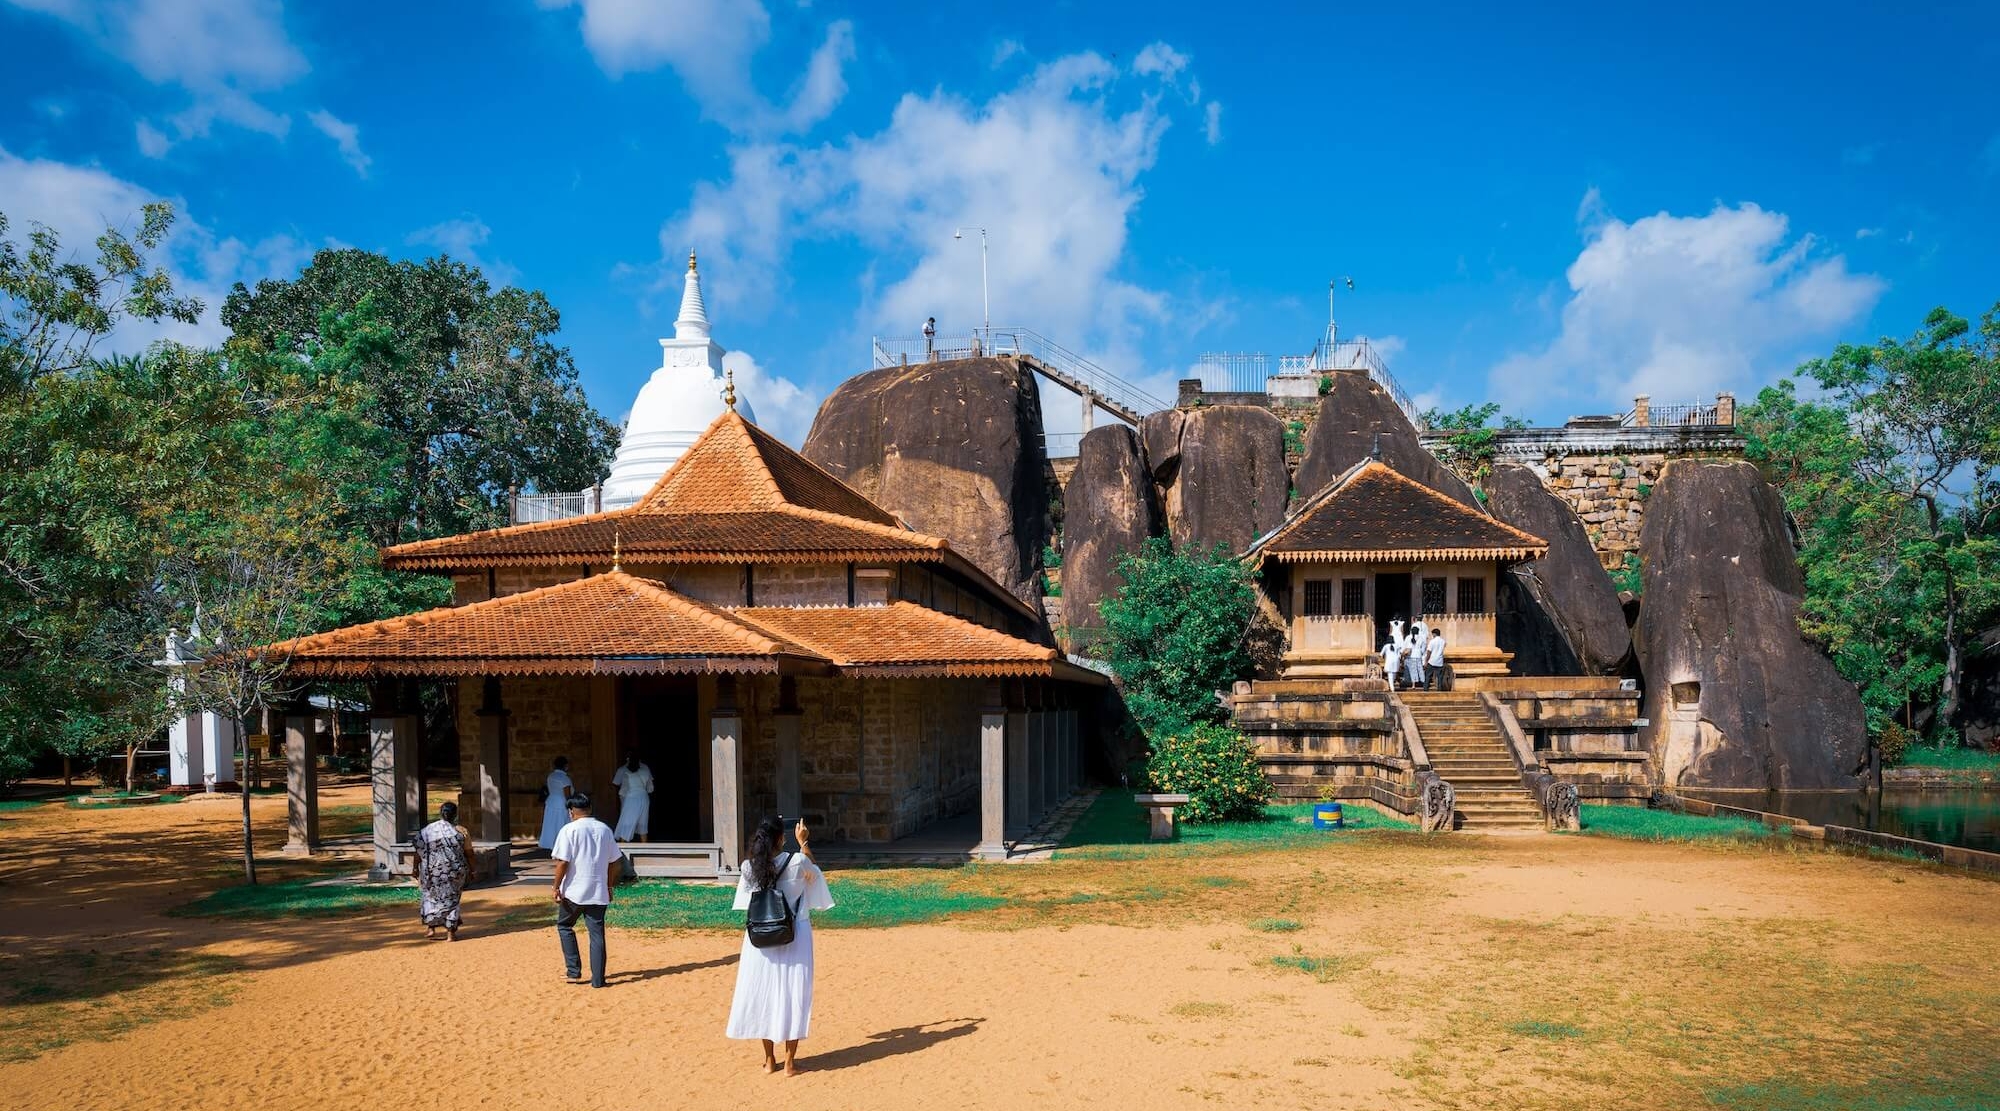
(346, 136)
(465, 239)
(152, 142)
(1006, 51)
(1682, 306)
(79, 202)
(1867, 233)
(1159, 60)
(1211, 128)
(783, 408)
(709, 44)
(222, 53)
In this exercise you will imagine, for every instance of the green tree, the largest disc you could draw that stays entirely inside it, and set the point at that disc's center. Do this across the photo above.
(1469, 445)
(1890, 474)
(1176, 633)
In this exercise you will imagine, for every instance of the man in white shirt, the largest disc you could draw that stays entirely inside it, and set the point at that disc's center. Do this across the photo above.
(1434, 658)
(634, 781)
(587, 862)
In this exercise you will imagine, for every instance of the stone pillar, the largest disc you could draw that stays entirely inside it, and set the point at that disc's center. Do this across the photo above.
(1725, 409)
(301, 782)
(994, 726)
(726, 767)
(493, 786)
(1642, 411)
(1038, 755)
(1089, 410)
(394, 778)
(790, 802)
(1016, 711)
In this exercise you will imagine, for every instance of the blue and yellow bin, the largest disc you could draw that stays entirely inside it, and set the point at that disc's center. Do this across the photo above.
(1327, 815)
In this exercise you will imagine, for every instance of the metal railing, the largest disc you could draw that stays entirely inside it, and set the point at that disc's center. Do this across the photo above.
(1057, 363)
(1695, 415)
(1250, 372)
(1061, 445)
(526, 509)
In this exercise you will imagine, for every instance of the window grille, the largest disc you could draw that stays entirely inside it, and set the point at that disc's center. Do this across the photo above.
(1472, 595)
(1353, 597)
(1319, 598)
(1433, 596)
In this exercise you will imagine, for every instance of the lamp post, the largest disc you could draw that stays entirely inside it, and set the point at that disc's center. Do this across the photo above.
(1332, 321)
(985, 301)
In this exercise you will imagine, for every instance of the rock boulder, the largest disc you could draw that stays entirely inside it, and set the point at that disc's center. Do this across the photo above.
(955, 449)
(1108, 510)
(1566, 619)
(1735, 696)
(1355, 415)
(1229, 485)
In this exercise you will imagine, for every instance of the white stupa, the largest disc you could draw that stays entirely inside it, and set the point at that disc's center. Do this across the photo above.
(676, 404)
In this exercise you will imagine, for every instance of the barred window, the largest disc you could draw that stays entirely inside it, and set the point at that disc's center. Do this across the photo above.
(1433, 596)
(1472, 595)
(1353, 597)
(1319, 598)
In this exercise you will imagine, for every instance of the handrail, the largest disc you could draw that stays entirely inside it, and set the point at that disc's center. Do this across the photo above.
(1557, 799)
(1065, 367)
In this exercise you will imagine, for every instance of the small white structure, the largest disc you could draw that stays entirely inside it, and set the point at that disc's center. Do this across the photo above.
(201, 747)
(679, 402)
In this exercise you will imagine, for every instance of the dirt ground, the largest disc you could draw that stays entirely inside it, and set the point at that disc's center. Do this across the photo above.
(1385, 971)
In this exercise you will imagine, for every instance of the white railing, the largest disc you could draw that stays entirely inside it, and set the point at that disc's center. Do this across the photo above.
(1058, 363)
(526, 509)
(1061, 445)
(1230, 372)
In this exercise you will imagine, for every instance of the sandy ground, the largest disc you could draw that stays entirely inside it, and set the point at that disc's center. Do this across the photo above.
(1148, 1004)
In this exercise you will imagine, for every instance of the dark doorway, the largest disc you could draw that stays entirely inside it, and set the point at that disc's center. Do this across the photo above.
(661, 722)
(1392, 603)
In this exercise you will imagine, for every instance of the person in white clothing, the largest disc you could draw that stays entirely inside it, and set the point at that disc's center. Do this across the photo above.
(774, 986)
(555, 797)
(1434, 658)
(1392, 660)
(1413, 659)
(588, 860)
(634, 781)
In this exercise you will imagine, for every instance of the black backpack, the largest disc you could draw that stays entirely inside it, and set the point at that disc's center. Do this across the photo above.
(769, 921)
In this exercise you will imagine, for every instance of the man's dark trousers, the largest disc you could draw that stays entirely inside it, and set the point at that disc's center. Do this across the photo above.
(593, 921)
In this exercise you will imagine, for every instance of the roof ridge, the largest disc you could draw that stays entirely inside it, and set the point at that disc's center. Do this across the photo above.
(678, 463)
(876, 527)
(1460, 507)
(409, 547)
(1312, 504)
(749, 432)
(713, 616)
(422, 617)
(972, 626)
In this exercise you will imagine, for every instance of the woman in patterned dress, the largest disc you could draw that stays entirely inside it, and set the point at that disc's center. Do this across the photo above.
(444, 860)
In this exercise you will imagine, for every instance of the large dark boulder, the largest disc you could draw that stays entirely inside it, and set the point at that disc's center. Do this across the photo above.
(1108, 510)
(1735, 696)
(1981, 693)
(1355, 416)
(954, 448)
(1566, 618)
(1230, 485)
(1160, 442)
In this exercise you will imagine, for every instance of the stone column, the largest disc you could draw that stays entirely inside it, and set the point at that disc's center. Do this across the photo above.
(1016, 712)
(301, 782)
(1642, 411)
(994, 727)
(394, 777)
(493, 786)
(726, 765)
(790, 802)
(1725, 409)
(1038, 756)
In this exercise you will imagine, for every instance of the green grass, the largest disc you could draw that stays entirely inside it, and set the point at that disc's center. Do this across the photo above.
(1638, 823)
(1953, 759)
(1974, 1091)
(859, 902)
(1277, 925)
(304, 897)
(1552, 1030)
(1114, 828)
(53, 999)
(1323, 969)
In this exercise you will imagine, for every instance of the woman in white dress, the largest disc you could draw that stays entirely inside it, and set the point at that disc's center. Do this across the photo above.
(555, 802)
(774, 986)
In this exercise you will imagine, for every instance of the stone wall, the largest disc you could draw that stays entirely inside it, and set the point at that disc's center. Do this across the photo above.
(1340, 735)
(546, 718)
(1588, 736)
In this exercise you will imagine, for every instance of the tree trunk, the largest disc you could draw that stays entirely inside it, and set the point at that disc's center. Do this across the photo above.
(131, 766)
(68, 776)
(249, 847)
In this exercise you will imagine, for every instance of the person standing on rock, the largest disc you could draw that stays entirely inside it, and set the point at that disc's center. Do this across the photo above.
(1434, 659)
(930, 336)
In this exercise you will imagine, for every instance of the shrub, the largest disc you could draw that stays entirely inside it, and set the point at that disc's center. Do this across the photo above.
(1215, 767)
(1628, 576)
(1894, 741)
(1176, 633)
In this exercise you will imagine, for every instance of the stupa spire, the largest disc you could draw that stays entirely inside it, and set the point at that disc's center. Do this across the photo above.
(693, 321)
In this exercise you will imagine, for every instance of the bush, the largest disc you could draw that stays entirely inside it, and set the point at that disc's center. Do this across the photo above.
(1176, 633)
(1215, 767)
(1894, 741)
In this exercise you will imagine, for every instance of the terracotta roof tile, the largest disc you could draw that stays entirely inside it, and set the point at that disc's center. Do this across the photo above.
(903, 638)
(613, 623)
(736, 466)
(1373, 513)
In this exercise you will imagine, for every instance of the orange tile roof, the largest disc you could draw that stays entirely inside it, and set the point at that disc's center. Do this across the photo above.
(738, 495)
(1375, 513)
(608, 624)
(903, 638)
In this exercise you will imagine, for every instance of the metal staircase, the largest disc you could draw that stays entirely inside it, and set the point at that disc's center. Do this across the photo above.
(1098, 387)
(1467, 750)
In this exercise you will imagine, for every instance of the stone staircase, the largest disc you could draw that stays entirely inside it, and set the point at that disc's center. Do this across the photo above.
(1467, 750)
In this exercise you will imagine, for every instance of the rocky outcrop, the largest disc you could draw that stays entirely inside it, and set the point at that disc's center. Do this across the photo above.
(1981, 693)
(1225, 481)
(1108, 510)
(953, 448)
(1566, 618)
(1354, 416)
(1735, 696)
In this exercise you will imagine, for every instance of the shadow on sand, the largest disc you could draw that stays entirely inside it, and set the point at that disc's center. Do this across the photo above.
(892, 1043)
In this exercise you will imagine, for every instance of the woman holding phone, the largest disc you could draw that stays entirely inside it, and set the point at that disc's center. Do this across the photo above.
(774, 983)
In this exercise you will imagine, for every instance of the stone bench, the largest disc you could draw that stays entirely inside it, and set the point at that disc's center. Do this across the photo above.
(1160, 812)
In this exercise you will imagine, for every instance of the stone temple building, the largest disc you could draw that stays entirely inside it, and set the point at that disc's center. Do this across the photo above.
(767, 639)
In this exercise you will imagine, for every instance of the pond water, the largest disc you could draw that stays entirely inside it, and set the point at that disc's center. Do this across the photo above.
(1950, 816)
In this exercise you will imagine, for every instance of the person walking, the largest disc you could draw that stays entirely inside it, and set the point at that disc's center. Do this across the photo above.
(587, 862)
(555, 795)
(774, 984)
(1413, 657)
(1392, 659)
(1434, 658)
(634, 781)
(444, 861)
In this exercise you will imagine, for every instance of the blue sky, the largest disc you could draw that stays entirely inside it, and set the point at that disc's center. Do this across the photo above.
(1553, 208)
